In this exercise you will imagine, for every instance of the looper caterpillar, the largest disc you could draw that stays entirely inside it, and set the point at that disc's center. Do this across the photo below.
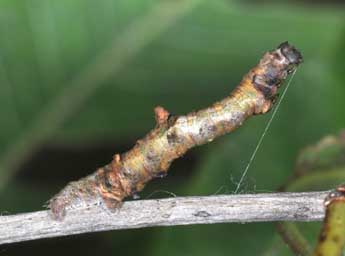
(173, 136)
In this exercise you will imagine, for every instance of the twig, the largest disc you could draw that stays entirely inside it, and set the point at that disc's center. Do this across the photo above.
(305, 206)
(294, 238)
(312, 173)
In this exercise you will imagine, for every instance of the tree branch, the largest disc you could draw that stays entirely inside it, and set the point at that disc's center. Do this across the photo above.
(305, 206)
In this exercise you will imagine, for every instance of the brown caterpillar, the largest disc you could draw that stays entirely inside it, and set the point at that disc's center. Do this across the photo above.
(174, 135)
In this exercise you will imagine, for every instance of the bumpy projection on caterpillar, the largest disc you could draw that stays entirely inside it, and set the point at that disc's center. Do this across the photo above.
(173, 136)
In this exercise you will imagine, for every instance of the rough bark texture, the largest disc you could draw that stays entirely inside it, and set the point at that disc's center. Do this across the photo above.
(166, 212)
(173, 136)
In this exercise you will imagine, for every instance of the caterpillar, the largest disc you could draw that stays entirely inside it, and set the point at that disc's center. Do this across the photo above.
(173, 136)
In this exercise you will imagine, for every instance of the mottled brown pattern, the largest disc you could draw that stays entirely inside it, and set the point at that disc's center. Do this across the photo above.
(174, 135)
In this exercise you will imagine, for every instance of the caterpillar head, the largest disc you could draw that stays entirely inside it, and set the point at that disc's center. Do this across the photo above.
(290, 53)
(274, 68)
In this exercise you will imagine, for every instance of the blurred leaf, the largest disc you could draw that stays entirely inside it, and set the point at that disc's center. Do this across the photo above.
(138, 34)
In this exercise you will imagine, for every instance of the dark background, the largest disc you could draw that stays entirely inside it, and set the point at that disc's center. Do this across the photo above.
(79, 81)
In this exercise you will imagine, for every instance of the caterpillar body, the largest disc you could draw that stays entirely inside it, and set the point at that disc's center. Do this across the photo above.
(173, 136)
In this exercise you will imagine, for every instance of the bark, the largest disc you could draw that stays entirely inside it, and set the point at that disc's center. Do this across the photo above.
(306, 206)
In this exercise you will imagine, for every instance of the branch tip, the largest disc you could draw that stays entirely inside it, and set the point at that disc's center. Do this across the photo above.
(337, 195)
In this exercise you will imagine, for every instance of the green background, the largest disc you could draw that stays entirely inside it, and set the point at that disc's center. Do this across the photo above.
(79, 81)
